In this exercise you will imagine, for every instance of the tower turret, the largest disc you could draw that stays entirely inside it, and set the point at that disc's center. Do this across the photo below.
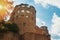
(24, 16)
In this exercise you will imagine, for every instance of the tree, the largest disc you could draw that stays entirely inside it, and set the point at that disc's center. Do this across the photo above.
(8, 26)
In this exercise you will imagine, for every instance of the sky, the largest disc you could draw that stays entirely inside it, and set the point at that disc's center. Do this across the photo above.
(47, 13)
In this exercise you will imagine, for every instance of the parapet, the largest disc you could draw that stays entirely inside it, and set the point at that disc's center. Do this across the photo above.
(26, 7)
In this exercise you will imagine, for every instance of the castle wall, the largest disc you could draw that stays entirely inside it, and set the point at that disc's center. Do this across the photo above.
(9, 36)
(42, 37)
(34, 36)
(29, 36)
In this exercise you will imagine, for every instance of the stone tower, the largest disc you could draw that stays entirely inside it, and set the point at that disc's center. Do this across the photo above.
(24, 16)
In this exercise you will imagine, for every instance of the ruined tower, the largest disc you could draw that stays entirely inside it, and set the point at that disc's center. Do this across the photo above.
(24, 16)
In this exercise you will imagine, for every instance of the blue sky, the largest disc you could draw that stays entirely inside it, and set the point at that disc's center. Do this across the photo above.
(47, 13)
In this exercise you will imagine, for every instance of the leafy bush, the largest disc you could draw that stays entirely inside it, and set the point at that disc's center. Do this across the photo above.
(8, 26)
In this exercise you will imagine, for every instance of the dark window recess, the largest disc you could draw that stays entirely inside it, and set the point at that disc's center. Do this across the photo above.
(21, 37)
(24, 24)
(16, 17)
(22, 15)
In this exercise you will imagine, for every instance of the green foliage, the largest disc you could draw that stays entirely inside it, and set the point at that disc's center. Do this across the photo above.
(8, 26)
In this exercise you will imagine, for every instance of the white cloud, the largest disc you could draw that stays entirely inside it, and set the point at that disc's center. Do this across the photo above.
(44, 3)
(39, 22)
(54, 39)
(55, 26)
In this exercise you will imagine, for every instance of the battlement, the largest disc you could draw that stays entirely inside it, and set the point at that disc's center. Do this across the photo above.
(44, 27)
(25, 7)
